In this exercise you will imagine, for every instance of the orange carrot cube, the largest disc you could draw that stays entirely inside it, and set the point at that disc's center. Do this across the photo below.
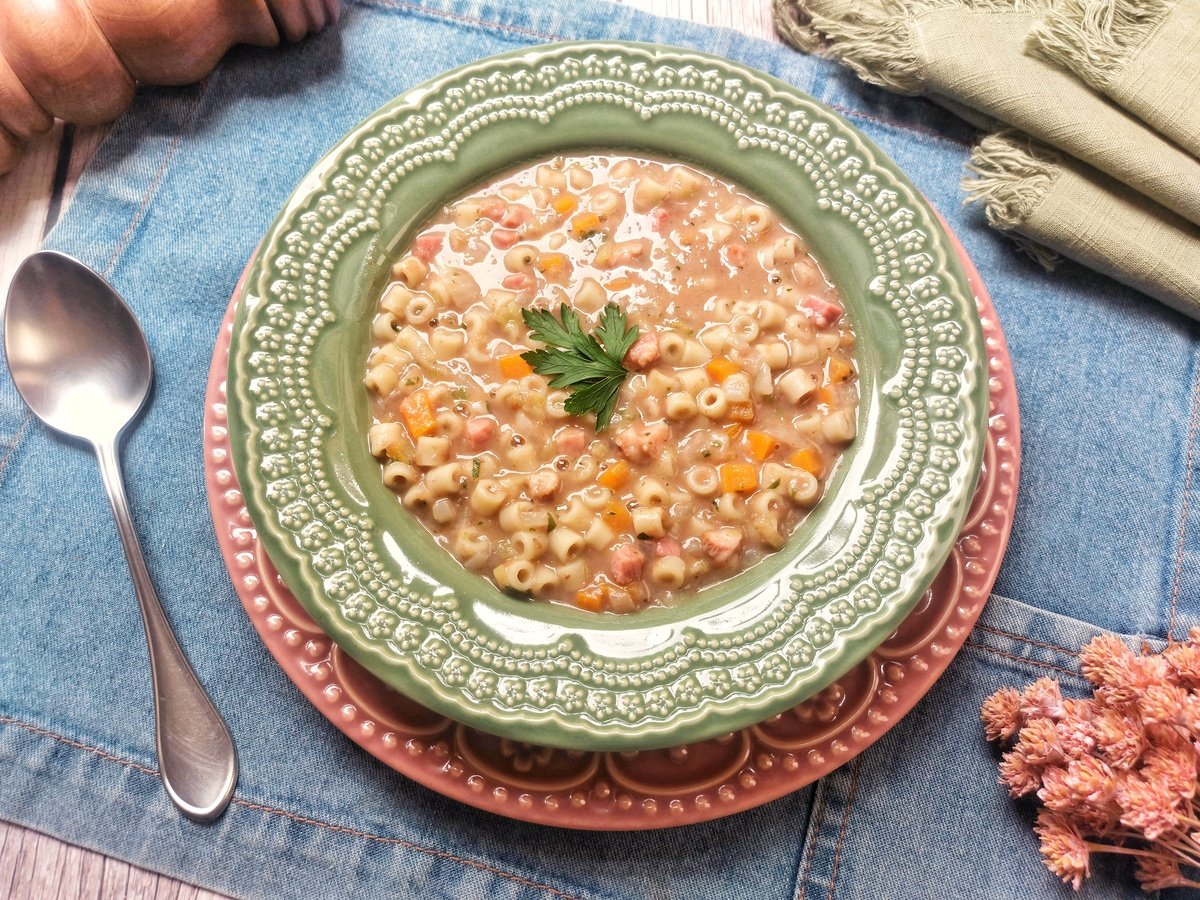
(738, 478)
(761, 444)
(513, 366)
(719, 368)
(418, 413)
(615, 475)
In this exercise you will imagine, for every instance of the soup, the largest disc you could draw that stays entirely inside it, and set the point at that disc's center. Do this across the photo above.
(609, 381)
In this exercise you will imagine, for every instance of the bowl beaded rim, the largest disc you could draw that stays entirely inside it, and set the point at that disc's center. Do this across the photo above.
(539, 677)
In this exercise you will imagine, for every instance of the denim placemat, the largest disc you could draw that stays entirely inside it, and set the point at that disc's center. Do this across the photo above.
(169, 211)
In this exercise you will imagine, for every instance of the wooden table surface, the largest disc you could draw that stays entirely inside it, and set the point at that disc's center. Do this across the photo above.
(35, 865)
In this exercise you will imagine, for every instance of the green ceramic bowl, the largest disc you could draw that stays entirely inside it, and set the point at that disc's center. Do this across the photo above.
(736, 653)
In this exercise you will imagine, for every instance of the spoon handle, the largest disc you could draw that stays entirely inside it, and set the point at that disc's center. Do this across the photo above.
(195, 751)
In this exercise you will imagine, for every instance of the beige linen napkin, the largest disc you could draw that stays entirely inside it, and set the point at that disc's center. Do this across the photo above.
(972, 53)
(1142, 54)
(1060, 203)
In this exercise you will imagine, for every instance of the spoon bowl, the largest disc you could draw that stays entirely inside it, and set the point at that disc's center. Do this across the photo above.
(80, 360)
(75, 350)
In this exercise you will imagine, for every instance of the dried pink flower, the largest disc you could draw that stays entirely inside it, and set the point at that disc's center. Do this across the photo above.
(1184, 660)
(1104, 660)
(1148, 806)
(1019, 774)
(1064, 849)
(1175, 767)
(1001, 714)
(1055, 792)
(1076, 731)
(1116, 773)
(1042, 699)
(1090, 780)
(1038, 740)
(1119, 736)
(1154, 873)
(1162, 704)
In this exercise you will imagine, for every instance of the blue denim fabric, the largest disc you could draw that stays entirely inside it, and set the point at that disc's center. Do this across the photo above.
(169, 211)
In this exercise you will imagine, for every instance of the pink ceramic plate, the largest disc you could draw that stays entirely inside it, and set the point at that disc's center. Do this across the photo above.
(645, 789)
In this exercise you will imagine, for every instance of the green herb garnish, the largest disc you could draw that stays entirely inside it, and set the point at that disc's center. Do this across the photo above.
(592, 370)
(475, 468)
(550, 524)
(459, 393)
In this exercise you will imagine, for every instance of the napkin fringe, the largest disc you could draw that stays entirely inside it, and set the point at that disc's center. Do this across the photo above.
(1011, 178)
(1096, 39)
(874, 39)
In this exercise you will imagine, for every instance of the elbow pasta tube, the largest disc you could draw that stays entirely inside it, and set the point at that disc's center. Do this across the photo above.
(446, 479)
(544, 583)
(566, 543)
(651, 492)
(669, 571)
(398, 475)
(528, 544)
(488, 496)
(382, 379)
(515, 575)
(472, 547)
(712, 403)
(410, 271)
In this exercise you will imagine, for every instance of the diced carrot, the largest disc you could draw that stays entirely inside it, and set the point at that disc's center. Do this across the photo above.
(616, 516)
(512, 366)
(761, 445)
(738, 478)
(740, 412)
(619, 283)
(585, 224)
(590, 598)
(720, 368)
(735, 430)
(839, 370)
(808, 459)
(552, 264)
(565, 204)
(615, 475)
(823, 395)
(418, 413)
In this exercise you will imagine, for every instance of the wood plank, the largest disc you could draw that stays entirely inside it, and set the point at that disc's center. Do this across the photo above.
(26, 857)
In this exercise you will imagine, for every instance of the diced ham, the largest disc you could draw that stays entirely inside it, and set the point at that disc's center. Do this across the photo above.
(822, 312)
(543, 484)
(643, 352)
(642, 443)
(721, 544)
(625, 567)
(667, 546)
(570, 440)
(737, 254)
(659, 216)
(480, 432)
(515, 216)
(427, 246)
(518, 281)
(503, 238)
(493, 209)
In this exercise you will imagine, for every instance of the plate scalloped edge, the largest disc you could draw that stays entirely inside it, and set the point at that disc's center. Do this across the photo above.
(655, 789)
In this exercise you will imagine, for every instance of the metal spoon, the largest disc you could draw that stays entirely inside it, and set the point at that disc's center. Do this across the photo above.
(80, 360)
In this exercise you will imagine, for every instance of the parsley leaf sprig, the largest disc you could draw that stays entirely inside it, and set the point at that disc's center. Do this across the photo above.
(592, 370)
